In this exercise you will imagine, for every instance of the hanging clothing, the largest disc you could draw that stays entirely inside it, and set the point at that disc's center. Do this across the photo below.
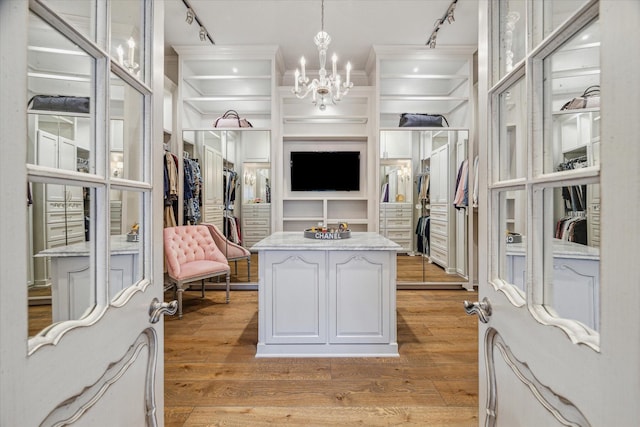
(170, 189)
(461, 198)
(423, 186)
(192, 192)
(422, 232)
(572, 228)
(475, 182)
(384, 194)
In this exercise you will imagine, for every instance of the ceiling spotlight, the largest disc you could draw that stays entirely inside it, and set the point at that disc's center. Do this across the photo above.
(203, 34)
(432, 42)
(190, 16)
(450, 17)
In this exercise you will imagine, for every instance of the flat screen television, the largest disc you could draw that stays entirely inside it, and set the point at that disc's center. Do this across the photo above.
(325, 171)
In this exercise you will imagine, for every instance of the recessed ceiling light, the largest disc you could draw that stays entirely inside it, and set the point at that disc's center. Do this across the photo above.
(235, 70)
(415, 70)
(585, 37)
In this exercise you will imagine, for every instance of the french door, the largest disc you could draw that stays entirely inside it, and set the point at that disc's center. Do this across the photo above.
(81, 215)
(558, 266)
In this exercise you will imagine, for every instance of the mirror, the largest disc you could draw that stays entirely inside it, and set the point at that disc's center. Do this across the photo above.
(571, 263)
(127, 39)
(419, 186)
(232, 189)
(512, 230)
(58, 209)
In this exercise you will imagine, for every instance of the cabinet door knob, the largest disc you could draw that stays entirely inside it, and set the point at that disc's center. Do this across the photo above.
(482, 309)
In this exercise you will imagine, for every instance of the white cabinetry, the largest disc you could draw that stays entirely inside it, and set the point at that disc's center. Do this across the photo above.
(256, 147)
(216, 79)
(441, 244)
(336, 298)
(396, 223)
(424, 81)
(58, 209)
(212, 200)
(575, 281)
(256, 223)
(430, 81)
(396, 145)
(578, 133)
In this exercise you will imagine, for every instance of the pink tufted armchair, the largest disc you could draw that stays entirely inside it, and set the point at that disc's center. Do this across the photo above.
(192, 255)
(232, 251)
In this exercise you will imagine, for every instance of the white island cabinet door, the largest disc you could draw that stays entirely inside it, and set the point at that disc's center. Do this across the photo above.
(359, 284)
(295, 292)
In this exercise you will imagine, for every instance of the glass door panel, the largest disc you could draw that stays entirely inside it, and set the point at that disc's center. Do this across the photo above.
(571, 119)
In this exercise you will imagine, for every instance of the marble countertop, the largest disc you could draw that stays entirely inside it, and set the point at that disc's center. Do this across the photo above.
(119, 246)
(561, 249)
(295, 240)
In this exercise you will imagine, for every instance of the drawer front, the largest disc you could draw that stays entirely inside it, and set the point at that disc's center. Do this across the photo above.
(438, 227)
(75, 232)
(438, 256)
(398, 235)
(399, 222)
(438, 215)
(255, 233)
(256, 210)
(56, 207)
(406, 244)
(396, 211)
(56, 231)
(258, 222)
(438, 241)
(75, 207)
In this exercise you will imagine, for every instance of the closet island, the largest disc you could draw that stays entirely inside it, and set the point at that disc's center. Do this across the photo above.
(326, 298)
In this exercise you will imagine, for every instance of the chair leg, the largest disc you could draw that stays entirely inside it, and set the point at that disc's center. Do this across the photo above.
(249, 268)
(202, 288)
(236, 263)
(228, 286)
(179, 291)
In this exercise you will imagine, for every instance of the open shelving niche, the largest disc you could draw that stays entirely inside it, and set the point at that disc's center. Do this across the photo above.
(416, 79)
(305, 209)
(344, 126)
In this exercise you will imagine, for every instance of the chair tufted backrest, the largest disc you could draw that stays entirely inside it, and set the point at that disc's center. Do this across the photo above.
(188, 243)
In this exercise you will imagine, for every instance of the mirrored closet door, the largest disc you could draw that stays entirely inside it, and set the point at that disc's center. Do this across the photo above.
(227, 183)
(425, 196)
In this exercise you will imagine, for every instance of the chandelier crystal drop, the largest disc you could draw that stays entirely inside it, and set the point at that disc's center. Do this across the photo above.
(326, 88)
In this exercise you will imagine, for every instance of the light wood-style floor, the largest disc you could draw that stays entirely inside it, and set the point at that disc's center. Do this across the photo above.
(213, 379)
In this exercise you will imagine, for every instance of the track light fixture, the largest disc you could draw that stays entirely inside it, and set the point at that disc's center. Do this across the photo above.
(192, 16)
(447, 17)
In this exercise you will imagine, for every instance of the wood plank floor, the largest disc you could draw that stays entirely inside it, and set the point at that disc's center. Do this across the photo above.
(213, 379)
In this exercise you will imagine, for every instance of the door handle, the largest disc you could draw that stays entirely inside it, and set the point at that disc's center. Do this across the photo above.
(158, 308)
(482, 309)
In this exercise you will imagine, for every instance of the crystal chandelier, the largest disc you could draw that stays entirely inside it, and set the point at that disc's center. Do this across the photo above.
(326, 87)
